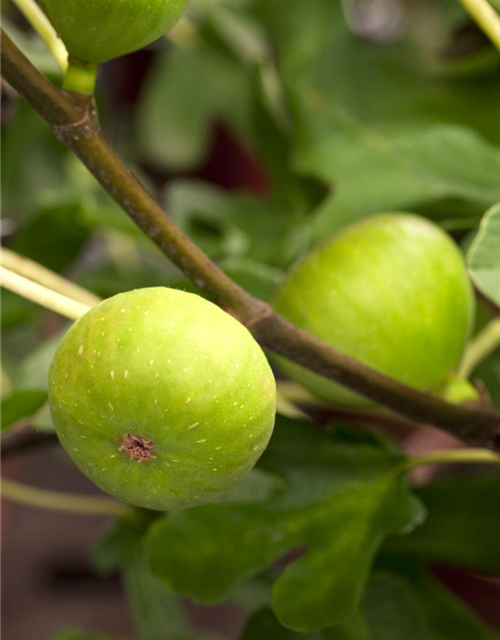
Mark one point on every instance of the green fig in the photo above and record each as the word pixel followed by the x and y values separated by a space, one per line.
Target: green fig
pixel 98 30
pixel 392 292
pixel 161 398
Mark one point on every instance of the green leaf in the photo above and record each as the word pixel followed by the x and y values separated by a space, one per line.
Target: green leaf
pixel 20 405
pixel 393 612
pixel 342 500
pixel 189 88
pixel 462 527
pixel 264 624
pixel 448 614
pixel 378 173
pixel 390 611
pixel 60 247
pixel 34 370
pixel 263 230
pixel 483 257
pixel 157 612
pixel 374 123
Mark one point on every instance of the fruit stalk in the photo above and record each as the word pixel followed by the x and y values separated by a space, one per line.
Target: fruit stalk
pixel 59 501
pixel 39 294
pixel 40 23
pixel 486 17
pixel 75 123
pixel 480 347
pixel 41 275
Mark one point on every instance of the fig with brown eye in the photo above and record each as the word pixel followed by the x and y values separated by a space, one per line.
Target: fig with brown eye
pixel 161 398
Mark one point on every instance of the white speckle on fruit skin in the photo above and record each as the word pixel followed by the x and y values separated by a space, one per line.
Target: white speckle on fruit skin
pixel 75 449
pixel 155 402
pixel 218 448
pixel 151 362
pixel 188 400
pixel 146 313
pixel 122 310
pixel 172 324
pixel 215 468
pixel 251 435
pixel 169 360
pixel 201 441
pixel 255 448
pixel 193 425
pixel 126 374
pixel 112 456
pixel 235 404
pixel 185 369
pixel 112 374
pixel 80 350
pixel 111 406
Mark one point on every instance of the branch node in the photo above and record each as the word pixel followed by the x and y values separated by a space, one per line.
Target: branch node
pixel 86 127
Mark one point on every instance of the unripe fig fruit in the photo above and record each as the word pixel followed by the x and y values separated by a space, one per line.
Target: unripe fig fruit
pixel 392 292
pixel 99 30
pixel 161 398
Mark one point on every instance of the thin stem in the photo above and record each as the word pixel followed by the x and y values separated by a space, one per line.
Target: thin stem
pixel 74 120
pixel 59 501
pixel 42 295
pixel 452 456
pixel 41 275
pixel 80 76
pixel 40 23
pixel 480 347
pixel 486 17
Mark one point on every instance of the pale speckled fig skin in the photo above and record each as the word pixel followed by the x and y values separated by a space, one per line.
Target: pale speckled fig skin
pixel 171 368
pixel 392 292
pixel 99 30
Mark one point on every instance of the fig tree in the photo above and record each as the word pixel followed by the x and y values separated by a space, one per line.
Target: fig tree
pixel 161 398
pixel 392 292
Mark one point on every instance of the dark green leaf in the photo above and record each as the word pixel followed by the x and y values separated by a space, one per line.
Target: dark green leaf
pixel 448 614
pixel 342 501
pixel 156 611
pixel 463 524
pixel 21 404
pixel 393 612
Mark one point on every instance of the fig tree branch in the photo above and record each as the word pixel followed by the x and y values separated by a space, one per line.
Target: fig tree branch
pixel 74 120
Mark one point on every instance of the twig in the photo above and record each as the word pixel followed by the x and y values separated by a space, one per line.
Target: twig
pixel 39 294
pixel 74 120
pixel 41 275
pixel 453 456
pixel 59 501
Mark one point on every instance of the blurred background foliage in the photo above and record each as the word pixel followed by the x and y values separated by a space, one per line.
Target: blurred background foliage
pixel 263 126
